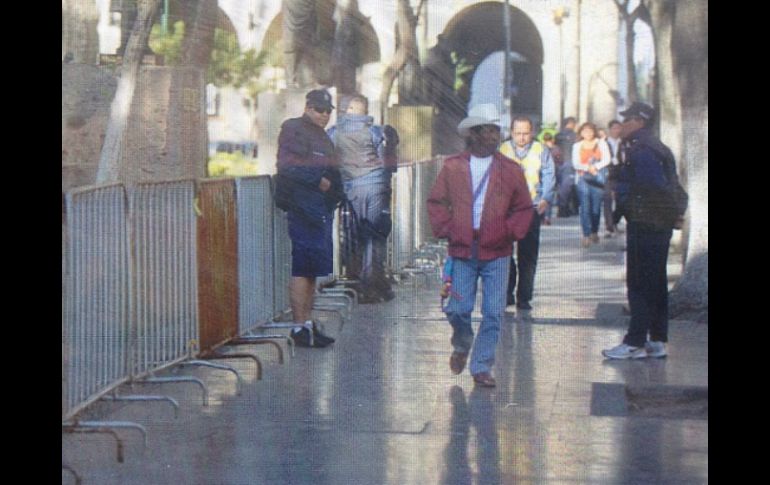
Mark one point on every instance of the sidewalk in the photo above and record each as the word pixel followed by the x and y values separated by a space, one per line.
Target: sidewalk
pixel 381 406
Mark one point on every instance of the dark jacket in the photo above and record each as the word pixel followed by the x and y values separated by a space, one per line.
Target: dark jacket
pixel 507 210
pixel 647 186
pixel 363 147
pixel 305 155
pixel 644 164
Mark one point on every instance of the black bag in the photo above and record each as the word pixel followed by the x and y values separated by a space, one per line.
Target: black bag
pixel 283 195
pixel 659 208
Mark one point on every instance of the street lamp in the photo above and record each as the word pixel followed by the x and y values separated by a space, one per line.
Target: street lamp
pixel 507 75
pixel 559 14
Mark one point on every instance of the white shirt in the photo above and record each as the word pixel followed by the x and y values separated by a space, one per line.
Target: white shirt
pixel 614 144
pixel 479 166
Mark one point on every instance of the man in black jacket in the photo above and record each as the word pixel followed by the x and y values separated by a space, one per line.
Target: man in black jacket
pixel 306 160
pixel 647 197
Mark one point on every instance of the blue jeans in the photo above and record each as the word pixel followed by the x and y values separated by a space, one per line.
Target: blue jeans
pixel 370 197
pixel 591 199
pixel 494 278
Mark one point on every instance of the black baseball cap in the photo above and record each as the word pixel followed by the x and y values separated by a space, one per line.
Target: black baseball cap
pixel 319 98
pixel 642 110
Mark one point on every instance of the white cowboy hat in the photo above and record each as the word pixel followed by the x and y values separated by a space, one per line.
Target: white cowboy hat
pixel 481 114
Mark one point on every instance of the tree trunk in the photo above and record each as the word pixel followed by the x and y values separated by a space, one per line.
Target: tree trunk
pixel 109 161
pixel 80 40
pixel 690 48
pixel 406 51
pixel 670 110
pixel 200 20
pixel 681 33
pixel 347 41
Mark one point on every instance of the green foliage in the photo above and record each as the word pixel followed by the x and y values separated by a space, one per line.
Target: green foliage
pixel 168 45
pixel 546 128
pixel 231 67
pixel 250 67
pixel 232 164
pixel 461 68
pixel 228 66
pixel 225 55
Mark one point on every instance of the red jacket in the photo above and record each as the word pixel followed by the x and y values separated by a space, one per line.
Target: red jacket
pixel 507 207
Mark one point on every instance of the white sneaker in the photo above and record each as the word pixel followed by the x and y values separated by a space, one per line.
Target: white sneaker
pixel 655 349
pixel 624 351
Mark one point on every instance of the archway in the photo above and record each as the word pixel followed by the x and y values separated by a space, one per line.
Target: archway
pixel 478 32
pixel 474 35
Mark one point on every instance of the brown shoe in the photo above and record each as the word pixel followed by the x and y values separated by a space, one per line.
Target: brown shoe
pixel 457 361
pixel 484 379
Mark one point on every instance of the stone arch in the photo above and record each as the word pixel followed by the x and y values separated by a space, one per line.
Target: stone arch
pixel 224 22
pixel 477 32
pixel 473 34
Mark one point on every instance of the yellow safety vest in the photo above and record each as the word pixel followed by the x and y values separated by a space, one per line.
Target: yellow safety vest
pixel 530 163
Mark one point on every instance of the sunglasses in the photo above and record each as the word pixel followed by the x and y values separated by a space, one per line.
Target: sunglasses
pixel 323 111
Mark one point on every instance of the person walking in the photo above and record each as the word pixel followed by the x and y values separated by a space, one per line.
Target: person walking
pixel 590 156
pixel 481 203
pixel 538 165
pixel 565 177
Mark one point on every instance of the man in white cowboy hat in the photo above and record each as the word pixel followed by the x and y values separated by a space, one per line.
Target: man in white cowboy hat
pixel 481 203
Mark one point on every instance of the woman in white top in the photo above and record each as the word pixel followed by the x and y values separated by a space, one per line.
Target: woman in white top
pixel 590 158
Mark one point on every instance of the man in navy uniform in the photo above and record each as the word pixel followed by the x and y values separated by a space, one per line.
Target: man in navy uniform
pixel 306 158
pixel 647 167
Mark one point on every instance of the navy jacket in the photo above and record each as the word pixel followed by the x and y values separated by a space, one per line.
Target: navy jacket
pixel 305 155
pixel 643 164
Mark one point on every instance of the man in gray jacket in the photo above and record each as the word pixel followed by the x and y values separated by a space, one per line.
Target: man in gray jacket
pixel 367 159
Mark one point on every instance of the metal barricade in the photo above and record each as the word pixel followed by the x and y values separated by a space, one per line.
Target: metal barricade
pixel 95 333
pixel 402 235
pixel 217 251
pixel 281 262
pixel 426 173
pixel 163 229
pixel 255 252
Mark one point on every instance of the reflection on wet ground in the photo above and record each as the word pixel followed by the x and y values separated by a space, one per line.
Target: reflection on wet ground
pixel 381 406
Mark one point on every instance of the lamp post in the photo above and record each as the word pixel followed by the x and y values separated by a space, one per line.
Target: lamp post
pixel 559 14
pixel 508 74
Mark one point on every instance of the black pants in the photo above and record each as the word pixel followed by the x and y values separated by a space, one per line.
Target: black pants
pixel 524 263
pixel 609 197
pixel 647 284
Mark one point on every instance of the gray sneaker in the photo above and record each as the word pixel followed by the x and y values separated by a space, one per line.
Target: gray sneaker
pixel 624 351
pixel 655 349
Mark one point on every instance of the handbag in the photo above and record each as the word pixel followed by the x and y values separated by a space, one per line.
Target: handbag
pixel 599 180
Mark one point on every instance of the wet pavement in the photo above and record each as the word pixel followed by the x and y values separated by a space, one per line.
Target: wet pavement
pixel 381 406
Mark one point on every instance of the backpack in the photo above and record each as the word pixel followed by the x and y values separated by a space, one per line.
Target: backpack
pixel 659 208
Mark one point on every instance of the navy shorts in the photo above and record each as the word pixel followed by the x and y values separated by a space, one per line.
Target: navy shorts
pixel 311 247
